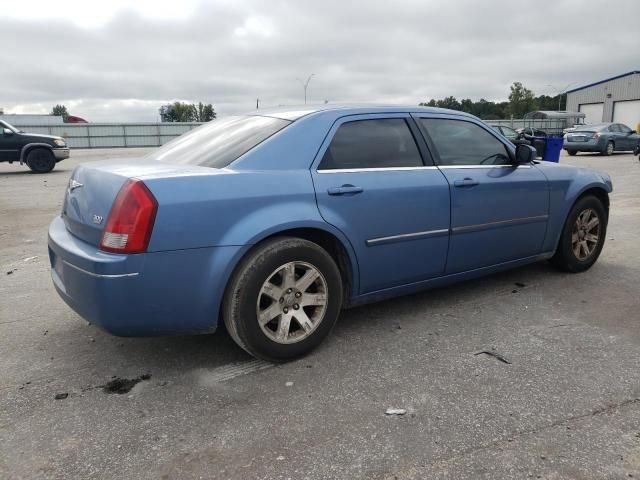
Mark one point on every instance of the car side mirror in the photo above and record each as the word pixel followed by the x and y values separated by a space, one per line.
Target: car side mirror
pixel 632 132
pixel 7 131
pixel 525 154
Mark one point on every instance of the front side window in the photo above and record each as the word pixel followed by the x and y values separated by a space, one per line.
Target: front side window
pixel 380 143
pixel 510 133
pixel 219 142
pixel 465 143
pixel 614 128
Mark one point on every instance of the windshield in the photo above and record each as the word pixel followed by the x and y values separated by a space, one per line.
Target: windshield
pixel 219 142
pixel 9 126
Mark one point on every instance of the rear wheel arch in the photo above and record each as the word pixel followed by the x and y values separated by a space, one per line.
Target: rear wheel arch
pixel 328 241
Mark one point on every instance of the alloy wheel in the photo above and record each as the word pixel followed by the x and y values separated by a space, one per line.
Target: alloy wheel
pixel 585 234
pixel 292 302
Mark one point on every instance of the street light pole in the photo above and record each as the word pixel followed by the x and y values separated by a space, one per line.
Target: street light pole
pixel 560 91
pixel 305 85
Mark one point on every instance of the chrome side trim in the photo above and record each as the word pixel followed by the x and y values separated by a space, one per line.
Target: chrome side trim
pixel 451 167
pixel 406 236
pixel 381 169
pixel 501 223
pixel 100 275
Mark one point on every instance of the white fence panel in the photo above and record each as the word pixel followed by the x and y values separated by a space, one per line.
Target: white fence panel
pixel 113 135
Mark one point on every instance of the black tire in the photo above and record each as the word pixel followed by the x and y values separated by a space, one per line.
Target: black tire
pixel 242 296
pixel 565 258
pixel 608 149
pixel 572 153
pixel 40 160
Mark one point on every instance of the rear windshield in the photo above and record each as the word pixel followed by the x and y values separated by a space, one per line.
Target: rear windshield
pixel 219 142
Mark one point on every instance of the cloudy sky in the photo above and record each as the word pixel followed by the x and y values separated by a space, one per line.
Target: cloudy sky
pixel 119 60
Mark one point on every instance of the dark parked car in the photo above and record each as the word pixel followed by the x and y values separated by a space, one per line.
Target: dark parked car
pixel 511 135
pixel 39 152
pixel 604 138
pixel 272 223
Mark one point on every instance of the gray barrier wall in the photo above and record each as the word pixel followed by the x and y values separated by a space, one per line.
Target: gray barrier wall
pixel 110 135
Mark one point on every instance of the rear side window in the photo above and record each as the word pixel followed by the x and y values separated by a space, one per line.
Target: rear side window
pixel 623 128
pixel 614 128
pixel 465 143
pixel 380 143
pixel 218 143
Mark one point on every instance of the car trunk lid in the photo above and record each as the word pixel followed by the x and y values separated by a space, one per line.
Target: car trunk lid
pixel 93 188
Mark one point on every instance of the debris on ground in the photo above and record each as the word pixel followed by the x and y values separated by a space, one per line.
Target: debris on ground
pixel 121 386
pixel 10 272
pixel 28 259
pixel 493 354
pixel 395 411
pixel 520 285
pixel 288 384
pixel 61 396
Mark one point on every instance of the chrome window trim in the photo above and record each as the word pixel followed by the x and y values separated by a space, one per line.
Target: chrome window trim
pixel 513 221
pixel 450 167
pixel 406 236
pixel 377 169
pixel 100 275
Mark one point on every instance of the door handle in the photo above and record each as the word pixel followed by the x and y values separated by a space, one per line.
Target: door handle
pixel 345 190
pixel 465 182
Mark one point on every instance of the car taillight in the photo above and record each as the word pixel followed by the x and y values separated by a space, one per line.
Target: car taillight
pixel 596 135
pixel 130 221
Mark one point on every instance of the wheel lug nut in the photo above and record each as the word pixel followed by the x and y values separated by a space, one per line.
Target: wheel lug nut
pixel 289 290
pixel 281 299
pixel 285 309
pixel 298 294
pixel 296 306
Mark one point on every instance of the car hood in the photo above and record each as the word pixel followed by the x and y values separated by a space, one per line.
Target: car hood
pixel 39 137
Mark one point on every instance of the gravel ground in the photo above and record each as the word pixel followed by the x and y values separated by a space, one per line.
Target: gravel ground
pixel 566 407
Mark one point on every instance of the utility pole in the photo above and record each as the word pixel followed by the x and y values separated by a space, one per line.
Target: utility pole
pixel 305 85
pixel 257 104
pixel 560 91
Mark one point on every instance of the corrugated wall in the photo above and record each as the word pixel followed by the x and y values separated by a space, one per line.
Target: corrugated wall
pixel 624 88
pixel 111 135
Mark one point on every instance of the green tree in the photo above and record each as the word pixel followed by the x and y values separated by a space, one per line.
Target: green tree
pixel 187 112
pixel 205 113
pixel 521 100
pixel 60 111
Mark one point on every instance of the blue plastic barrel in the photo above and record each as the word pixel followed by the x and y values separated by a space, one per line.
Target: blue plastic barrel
pixel 552 149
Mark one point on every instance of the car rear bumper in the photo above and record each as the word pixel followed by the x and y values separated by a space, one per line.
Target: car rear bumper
pixel 176 292
pixel 60 153
pixel 593 145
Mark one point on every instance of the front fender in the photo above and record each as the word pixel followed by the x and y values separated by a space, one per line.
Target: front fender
pixel 566 184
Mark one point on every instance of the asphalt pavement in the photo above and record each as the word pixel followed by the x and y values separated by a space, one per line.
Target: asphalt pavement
pixel 77 403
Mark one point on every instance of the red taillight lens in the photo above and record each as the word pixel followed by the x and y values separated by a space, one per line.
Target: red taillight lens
pixel 596 135
pixel 130 220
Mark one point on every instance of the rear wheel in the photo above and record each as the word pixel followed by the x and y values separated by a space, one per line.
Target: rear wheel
pixel 608 150
pixel 283 299
pixel 582 236
pixel 40 160
pixel 572 152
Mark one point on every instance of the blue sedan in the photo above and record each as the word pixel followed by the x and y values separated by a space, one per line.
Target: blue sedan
pixel 275 221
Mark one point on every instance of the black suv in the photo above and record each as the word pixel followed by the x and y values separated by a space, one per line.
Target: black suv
pixel 39 152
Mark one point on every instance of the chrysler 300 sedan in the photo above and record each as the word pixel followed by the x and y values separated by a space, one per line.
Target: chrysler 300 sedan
pixel 275 221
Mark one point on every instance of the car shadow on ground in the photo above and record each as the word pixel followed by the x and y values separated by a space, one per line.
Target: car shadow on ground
pixel 174 355
pixel 24 170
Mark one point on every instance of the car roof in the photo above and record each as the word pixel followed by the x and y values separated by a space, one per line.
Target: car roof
pixel 594 126
pixel 293 113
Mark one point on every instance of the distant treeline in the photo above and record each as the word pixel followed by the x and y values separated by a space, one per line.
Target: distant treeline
pixel 521 100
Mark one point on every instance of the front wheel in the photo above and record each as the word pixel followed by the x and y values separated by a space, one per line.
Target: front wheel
pixel 40 160
pixel 283 299
pixel 572 152
pixel 582 236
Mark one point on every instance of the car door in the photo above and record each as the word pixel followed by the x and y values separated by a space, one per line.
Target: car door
pixel 628 140
pixel 375 184
pixel 8 143
pixel 499 210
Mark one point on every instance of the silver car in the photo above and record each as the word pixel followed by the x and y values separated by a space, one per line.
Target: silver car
pixel 604 138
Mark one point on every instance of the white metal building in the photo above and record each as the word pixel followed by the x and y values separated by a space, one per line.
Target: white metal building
pixel 19 119
pixel 615 99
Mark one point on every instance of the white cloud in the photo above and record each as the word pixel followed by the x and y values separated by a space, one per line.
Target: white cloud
pixel 120 60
